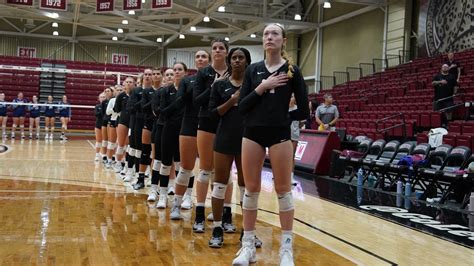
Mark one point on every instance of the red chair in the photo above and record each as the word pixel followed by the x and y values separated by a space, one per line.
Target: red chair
pixel 450 139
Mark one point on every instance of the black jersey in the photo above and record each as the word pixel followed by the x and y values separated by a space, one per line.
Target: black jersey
pixel 221 92
pixel 105 117
pixel 155 105
pixel 121 104
pixel 184 97
pixel 98 113
pixel 168 110
pixel 271 108
pixel 202 90
pixel 134 102
pixel 146 103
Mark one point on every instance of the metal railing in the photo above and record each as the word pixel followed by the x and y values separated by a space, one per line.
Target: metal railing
pixel 340 77
pixel 449 108
pixel 402 124
pixel 327 82
pixel 367 68
pixel 392 60
pixel 355 73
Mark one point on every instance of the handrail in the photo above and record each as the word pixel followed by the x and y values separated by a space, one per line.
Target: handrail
pixel 435 103
pixel 402 124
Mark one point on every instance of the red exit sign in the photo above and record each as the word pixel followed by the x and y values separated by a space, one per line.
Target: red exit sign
pixel 120 59
pixel 26 52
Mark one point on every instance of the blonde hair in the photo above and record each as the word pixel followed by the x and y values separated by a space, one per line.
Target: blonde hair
pixel 284 53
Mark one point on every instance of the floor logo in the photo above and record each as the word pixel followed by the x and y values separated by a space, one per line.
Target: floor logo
pixel 3 148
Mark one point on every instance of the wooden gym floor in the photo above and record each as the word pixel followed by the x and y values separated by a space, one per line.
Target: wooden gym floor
pixel 58 207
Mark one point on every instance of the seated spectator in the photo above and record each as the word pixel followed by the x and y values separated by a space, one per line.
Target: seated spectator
pixel 327 114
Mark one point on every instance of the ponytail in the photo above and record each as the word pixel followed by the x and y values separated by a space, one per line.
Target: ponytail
pixel 288 59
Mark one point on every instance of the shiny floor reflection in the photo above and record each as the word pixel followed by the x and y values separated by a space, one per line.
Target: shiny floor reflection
pixel 82 225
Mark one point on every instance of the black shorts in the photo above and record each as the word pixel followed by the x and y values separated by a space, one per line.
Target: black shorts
pixel 112 123
pixel 189 126
pixel 124 120
pixel 208 124
pixel 105 122
pixel 148 124
pixel 268 136
pixel 53 115
pixel 229 141
pixel 32 116
pixel 170 143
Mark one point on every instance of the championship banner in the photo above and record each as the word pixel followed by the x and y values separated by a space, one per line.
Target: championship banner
pixel 60 5
pixel 104 5
pixel 121 59
pixel 132 4
pixel 21 2
pixel 29 52
pixel 162 4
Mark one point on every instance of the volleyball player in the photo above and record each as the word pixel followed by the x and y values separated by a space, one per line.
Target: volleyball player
pixel 109 92
pixel 64 116
pixel 120 107
pixel 228 142
pixel 149 120
pixel 207 125
pixel 35 112
pixel 98 126
pixel 264 100
pixel 49 117
pixel 3 115
pixel 158 130
pixel 187 139
pixel 111 127
pixel 135 106
pixel 19 115
pixel 172 118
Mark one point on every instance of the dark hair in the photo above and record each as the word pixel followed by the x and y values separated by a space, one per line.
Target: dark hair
pixel 157 69
pixel 245 51
pixel 223 41
pixel 181 63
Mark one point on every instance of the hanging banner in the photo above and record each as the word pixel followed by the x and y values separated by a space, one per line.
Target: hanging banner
pixel 54 4
pixel 162 4
pixel 104 5
pixel 121 59
pixel 26 52
pixel 132 4
pixel 21 2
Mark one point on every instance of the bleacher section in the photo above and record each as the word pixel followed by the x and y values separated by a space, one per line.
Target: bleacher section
pixel 404 89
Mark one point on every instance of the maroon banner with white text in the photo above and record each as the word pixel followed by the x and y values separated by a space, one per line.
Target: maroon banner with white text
pixel 104 5
pixel 60 5
pixel 21 2
pixel 132 4
pixel 162 4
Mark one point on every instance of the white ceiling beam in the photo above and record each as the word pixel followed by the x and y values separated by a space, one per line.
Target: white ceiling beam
pixel 285 22
pixel 86 39
pixel 348 16
pixel 77 14
pixel 11 24
pixel 42 25
pixel 24 34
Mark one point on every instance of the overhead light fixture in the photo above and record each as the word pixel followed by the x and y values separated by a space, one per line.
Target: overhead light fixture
pixel 125 22
pixel 181 36
pixel 52 15
pixel 297 17
pixel 143 1
pixel 193 28
pixel 159 39
pixel 55 33
pixel 221 9
pixel 206 19
pixel 253 35
pixel 327 4
pixel 227 39
pixel 119 30
pixel 131 12
pixel 114 38
pixel 55 25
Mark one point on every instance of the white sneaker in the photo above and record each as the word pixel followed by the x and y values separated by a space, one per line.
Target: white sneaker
pixel 117 167
pixel 286 256
pixel 153 195
pixel 46 137
pixel 124 171
pixel 175 213
pixel 50 136
pixel 108 165
pixel 97 156
pixel 187 202
pixel 162 201
pixel 246 254
pixel 37 136
pixel 129 177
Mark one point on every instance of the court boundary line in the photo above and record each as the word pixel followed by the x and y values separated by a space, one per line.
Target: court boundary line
pixel 92 145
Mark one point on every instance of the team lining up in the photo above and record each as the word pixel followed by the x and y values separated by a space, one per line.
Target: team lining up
pixel 231 111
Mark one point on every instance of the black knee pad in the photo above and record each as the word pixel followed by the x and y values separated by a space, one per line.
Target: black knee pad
pixel 146 151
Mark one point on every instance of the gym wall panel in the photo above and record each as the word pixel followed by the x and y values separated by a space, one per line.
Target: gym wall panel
pixel 353 41
pixel 45 48
pixel 308 63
